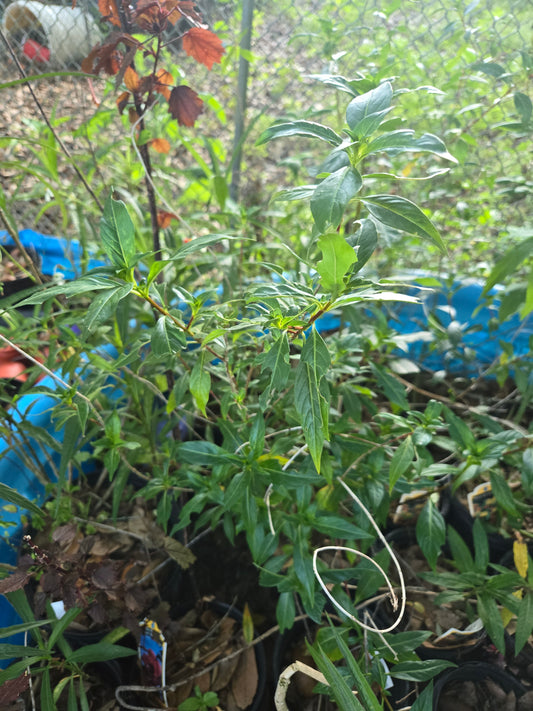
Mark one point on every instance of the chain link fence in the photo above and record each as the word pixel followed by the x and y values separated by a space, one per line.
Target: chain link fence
pixel 475 53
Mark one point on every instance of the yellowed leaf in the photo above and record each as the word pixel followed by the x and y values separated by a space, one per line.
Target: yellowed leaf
pixel 506 614
pixel 520 557
pixel 247 625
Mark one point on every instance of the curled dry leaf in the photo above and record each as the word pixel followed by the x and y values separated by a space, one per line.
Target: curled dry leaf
pixel 122 101
pixel 131 79
pixel 203 45
pixel 109 11
pixel 15 581
pixel 164 82
pixel 185 105
pixel 187 8
pixel 165 218
pixel 103 58
pixel 176 550
pixel 160 145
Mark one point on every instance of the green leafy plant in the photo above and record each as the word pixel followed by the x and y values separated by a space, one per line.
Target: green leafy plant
pixel 253 380
pixel 58 676
pixel 246 375
pixel 199 702
pixel 491 585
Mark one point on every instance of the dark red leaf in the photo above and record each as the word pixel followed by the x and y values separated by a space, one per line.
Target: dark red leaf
pixel 103 58
pixel 105 577
pixel 203 45
pixel 13 688
pixel 122 101
pixel 185 105
pixel 151 16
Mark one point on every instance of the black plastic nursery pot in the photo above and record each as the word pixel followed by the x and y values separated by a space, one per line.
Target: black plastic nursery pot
pixel 290 647
pixel 180 626
pixel 476 686
pixel 466 644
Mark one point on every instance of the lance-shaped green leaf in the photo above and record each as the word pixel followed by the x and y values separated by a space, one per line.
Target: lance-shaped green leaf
pixel 337 258
pixel 198 243
pixel 353 87
pixel 332 195
pixel 524 106
pixel 364 241
pixel 311 396
pixel 491 68
pixel 420 670
pixel 401 460
pixel 402 214
pixel 89 282
pixel 99 652
pixel 13 496
pixel 490 615
pixel 375 103
pixel 431 532
pixel 340 689
pixel 301 192
pixel 285 611
pixel 167 338
pixel 200 384
pixel 118 234
pixel 404 140
pixel 315 352
pixel 428 143
pixel 104 305
pixel 306 129
pixel 524 622
pixel 277 361
pixel 307 399
pixel 511 260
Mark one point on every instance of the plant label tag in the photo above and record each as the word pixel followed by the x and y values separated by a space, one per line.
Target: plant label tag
pixel 409 507
pixel 153 655
pixel 481 501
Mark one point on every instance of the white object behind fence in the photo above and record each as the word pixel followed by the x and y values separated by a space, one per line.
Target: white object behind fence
pixel 70 33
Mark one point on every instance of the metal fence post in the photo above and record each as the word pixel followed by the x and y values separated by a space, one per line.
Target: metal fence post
pixel 242 86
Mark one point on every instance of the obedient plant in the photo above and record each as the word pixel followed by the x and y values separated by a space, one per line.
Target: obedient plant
pixel 242 372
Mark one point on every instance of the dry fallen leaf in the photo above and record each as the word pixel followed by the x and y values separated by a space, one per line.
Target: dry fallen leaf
pixel 178 552
pixel 244 682
pixel 223 673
